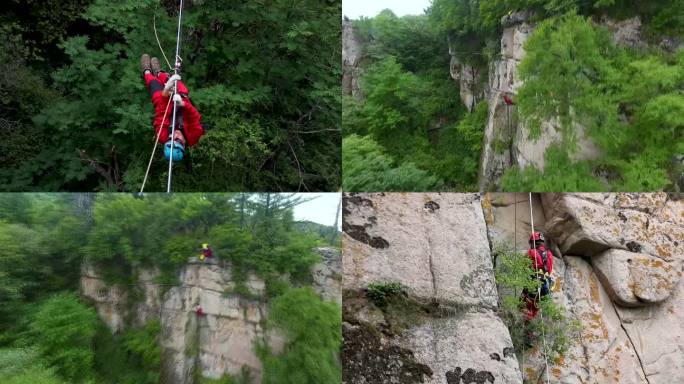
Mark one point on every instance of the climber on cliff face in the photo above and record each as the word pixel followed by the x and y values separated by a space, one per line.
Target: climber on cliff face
pixel 188 128
pixel 507 99
pixel 542 265
pixel 199 311
pixel 206 252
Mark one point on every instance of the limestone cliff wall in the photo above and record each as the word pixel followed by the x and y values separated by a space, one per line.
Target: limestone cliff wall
pixel 352 53
pixel 447 329
pixel 220 342
pixel 507 143
pixel 618 265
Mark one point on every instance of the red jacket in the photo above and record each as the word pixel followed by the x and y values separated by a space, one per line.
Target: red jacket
pixel 507 100
pixel 537 260
pixel 192 128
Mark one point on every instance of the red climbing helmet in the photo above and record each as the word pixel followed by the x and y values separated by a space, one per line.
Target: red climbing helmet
pixel 536 236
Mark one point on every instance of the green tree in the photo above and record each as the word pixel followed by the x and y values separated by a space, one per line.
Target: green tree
pixel 368 168
pixel 265 82
pixel 313 332
pixel 62 329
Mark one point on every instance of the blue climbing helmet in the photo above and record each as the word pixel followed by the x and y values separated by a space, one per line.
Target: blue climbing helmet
pixel 178 150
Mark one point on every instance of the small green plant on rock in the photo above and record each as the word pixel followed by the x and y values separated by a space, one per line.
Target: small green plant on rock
pixel 379 293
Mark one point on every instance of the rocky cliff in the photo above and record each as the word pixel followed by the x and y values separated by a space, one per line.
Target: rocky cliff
pixel 352 53
pixel 507 142
pixel 618 268
pixel 220 342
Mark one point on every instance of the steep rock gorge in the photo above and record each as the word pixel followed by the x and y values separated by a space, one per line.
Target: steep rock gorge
pixel 219 342
pixel 618 268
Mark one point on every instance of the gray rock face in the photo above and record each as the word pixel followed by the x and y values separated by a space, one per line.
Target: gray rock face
pixel 507 143
pixel 502 124
pixel 219 342
pixel 469 78
pixel 413 239
pixel 623 283
pixel 618 269
pixel 436 246
pixel 110 301
pixel 327 275
pixel 352 52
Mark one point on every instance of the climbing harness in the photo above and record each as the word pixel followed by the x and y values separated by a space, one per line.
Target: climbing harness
pixel 176 70
pixel 541 313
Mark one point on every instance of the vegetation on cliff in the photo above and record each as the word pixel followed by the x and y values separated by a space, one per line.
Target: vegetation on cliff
pixel 50 335
pixel 628 97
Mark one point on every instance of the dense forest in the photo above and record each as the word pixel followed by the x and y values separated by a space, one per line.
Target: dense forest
pixel 75 114
pixel 50 334
pixel 409 130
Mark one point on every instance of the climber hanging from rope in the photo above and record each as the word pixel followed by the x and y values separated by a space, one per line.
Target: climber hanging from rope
pixel 161 86
pixel 507 99
pixel 542 265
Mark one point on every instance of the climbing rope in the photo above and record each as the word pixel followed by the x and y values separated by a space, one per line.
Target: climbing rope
pixel 541 313
pixel 154 148
pixel 154 25
pixel 176 68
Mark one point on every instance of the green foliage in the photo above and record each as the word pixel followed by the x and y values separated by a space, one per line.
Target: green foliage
pixel 560 174
pixel 368 168
pixel 407 132
pixel 631 105
pixel 579 75
pixel 266 82
pixel 514 274
pixel 39 255
pixel 144 345
pixel 243 378
pixel 129 358
pixel 46 238
pixel 62 330
pixel 313 331
pixel 378 293
pixel 23 366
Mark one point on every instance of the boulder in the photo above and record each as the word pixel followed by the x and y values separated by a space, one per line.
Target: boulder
pixel 434 244
pixel 636 279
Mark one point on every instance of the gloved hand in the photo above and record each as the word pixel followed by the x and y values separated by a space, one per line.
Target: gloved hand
pixel 169 83
pixel 178 100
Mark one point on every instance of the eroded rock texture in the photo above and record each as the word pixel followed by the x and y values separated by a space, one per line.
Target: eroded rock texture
pixel 507 143
pixel 352 53
pixel 618 269
pixel 443 328
pixel 620 276
pixel 217 343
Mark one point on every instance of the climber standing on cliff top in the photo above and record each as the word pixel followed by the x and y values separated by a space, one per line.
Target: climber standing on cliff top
pixel 160 86
pixel 542 264
pixel 206 252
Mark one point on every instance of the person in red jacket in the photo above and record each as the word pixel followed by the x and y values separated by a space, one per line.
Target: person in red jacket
pixel 507 99
pixel 188 127
pixel 542 264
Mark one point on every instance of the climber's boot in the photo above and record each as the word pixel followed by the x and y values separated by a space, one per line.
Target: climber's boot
pixel 156 66
pixel 145 63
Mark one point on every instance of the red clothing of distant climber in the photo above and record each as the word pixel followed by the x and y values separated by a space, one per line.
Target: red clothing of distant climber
pixel 192 129
pixel 199 311
pixel 538 261
pixel 507 100
pixel 531 300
